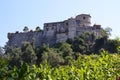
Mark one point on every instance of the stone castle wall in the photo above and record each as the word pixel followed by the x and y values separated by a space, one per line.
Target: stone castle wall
pixel 57 31
pixel 16 39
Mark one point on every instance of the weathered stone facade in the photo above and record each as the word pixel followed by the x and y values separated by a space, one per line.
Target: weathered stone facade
pixel 56 31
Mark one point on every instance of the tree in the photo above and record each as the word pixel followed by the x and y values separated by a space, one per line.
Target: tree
pixel 26 29
pixel 99 43
pixel 13 55
pixel 38 28
pixel 16 57
pixel 52 57
pixel 83 43
pixel 66 49
pixel 69 41
pixel 28 55
pixel 77 44
pixel 1 51
pixel 67 52
pixel 112 45
pixel 39 51
pixel 103 33
pixel 108 31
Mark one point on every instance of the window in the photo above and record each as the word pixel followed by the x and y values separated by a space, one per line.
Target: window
pixel 77 22
pixel 47 29
pixel 67 24
pixel 83 17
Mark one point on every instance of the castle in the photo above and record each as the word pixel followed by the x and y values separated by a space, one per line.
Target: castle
pixel 56 32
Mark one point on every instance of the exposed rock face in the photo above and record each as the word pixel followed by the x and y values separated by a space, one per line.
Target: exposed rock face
pixel 56 32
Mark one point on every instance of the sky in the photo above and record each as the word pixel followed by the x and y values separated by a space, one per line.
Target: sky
pixel 15 14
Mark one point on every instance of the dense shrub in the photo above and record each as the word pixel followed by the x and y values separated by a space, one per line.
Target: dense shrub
pixel 87 67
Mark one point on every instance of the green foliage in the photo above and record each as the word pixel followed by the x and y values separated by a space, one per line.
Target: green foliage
pixel 111 45
pixel 93 67
pixel 104 33
pixel 60 53
pixel 108 44
pixel 77 45
pixel 39 52
pixel 26 29
pixel 83 43
pixel 3 69
pixel 1 52
pixel 38 28
pixel 118 49
pixel 99 43
pixel 14 57
pixel 66 49
pixel 28 54
pixel 52 57
pixel 108 31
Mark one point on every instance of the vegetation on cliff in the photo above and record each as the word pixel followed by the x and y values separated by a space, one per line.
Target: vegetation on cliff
pixel 81 58
pixel 86 67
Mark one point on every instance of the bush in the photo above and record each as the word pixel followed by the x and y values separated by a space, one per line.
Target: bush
pixel 87 67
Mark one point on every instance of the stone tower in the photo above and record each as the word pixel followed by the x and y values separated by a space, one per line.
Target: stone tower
pixel 83 20
pixel 72 28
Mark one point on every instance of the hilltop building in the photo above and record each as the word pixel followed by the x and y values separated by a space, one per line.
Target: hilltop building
pixel 56 31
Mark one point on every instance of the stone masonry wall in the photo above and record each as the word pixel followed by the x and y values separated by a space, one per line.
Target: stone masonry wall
pixel 16 39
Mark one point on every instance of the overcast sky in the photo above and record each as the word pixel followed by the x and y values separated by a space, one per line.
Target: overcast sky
pixel 15 14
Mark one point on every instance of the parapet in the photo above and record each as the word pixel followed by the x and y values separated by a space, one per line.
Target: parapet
pixel 97 26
